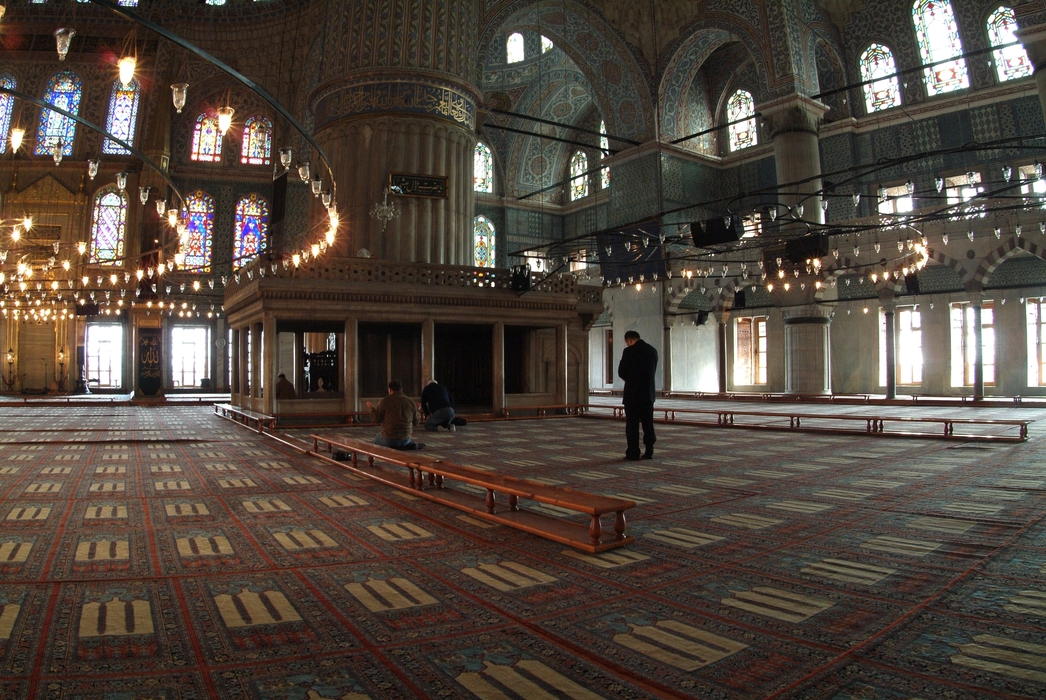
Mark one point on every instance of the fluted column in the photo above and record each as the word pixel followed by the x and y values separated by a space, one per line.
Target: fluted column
pixel 398 96
pixel 807 361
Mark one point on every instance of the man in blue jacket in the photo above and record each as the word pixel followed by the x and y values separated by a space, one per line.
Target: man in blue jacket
pixel 638 362
pixel 437 406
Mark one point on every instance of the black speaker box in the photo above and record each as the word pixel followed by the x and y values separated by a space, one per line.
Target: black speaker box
pixel 814 245
pixel 715 231
pixel 739 300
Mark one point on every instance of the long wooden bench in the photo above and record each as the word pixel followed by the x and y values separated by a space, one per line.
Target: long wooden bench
pixel 246 417
pixel 427 477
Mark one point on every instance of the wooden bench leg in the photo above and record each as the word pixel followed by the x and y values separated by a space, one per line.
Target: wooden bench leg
pixel 439 481
pixel 595 530
pixel 491 500
pixel 432 480
pixel 412 482
pixel 355 459
pixel 619 524
pixel 513 502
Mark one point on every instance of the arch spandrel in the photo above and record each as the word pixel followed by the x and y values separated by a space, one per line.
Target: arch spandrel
pixel 621 86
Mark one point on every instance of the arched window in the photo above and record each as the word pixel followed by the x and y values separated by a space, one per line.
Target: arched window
pixel 877 63
pixel 108 227
pixel 604 147
pixel 123 117
pixel 252 226
pixel 514 52
pixel 197 243
pixel 482 169
pixel 546 44
pixel 740 108
pixel 938 37
pixel 1011 62
pixel 7 108
pixel 579 180
pixel 483 242
pixel 207 139
pixel 64 91
pixel 257 142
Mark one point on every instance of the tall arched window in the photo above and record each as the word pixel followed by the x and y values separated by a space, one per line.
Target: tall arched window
pixel 938 36
pixel 604 147
pixel 252 226
pixel 482 169
pixel 64 91
pixel 257 142
pixel 514 52
pixel 579 180
pixel 740 108
pixel 877 63
pixel 483 242
pixel 207 139
pixel 7 108
pixel 197 243
pixel 123 117
pixel 1011 62
pixel 108 226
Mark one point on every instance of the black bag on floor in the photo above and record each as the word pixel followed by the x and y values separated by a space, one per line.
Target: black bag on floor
pixel 458 420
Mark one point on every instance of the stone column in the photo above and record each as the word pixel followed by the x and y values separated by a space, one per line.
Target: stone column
pixel 234 370
pixel 891 352
pixel 350 369
pixel 793 122
pixel 256 369
pixel 498 366
pixel 428 351
pixel 807 360
pixel 245 387
pixel 978 350
pixel 666 357
pixel 269 364
pixel 722 368
pixel 220 377
pixel 562 390
pixel 397 94
pixel 299 364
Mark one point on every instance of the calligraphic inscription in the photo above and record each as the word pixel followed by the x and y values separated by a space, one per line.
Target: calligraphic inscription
pixel 418 185
pixel 416 98
pixel 150 360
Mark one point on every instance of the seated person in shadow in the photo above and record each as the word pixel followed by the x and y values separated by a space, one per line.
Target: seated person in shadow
pixel 284 389
pixel 398 415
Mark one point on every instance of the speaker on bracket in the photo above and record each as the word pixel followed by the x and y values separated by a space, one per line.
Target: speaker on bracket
pixel 717 230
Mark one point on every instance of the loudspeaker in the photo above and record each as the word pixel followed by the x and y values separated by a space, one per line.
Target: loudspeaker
pixel 702 318
pixel 799 250
pixel 739 300
pixel 87 310
pixel 716 231
pixel 911 282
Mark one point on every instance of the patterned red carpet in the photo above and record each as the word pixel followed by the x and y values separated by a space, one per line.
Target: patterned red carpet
pixel 165 553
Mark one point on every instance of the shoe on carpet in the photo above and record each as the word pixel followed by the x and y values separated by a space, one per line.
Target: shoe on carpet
pixel 452 428
pixel 648 455
pixel 632 458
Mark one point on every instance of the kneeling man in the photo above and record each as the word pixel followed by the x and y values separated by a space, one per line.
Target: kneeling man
pixel 398 415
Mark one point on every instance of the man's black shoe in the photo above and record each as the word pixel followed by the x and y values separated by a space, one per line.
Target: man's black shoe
pixel 632 458
pixel 648 455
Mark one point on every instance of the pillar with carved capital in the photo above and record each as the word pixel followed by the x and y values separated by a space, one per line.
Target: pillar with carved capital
pixel 397 96
pixel 807 359
pixel 793 122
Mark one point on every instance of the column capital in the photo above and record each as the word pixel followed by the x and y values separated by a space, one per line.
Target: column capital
pixel 807 313
pixel 792 114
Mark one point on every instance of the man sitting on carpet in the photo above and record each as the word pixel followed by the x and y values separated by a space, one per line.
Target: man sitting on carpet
pixel 437 405
pixel 398 415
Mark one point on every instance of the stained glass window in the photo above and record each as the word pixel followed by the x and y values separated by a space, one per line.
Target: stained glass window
pixel 938 37
pixel 64 91
pixel 197 243
pixel 877 63
pixel 7 107
pixel 579 180
pixel 483 240
pixel 252 225
pixel 739 107
pixel 257 142
pixel 482 169
pixel 514 48
pixel 207 139
pixel 1011 62
pixel 604 147
pixel 546 44
pixel 123 117
pixel 109 226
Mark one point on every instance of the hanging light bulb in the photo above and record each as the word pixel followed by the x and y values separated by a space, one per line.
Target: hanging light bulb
pixel 938 182
pixel 882 194
pixel 325 197
pixel 56 152
pixel 1038 170
pixel 857 198
pixel 1007 173
pixel 286 156
pixel 17 136
pixel 877 247
pixel 316 186
pixel 92 168
pixel 998 232
pixel 225 119
pixel 799 210
pixel 63 37
pixel 126 65
pixel 824 205
pixel 900 246
pixel 143 195
pixel 944 239
pixel 303 171
pixel 178 95
pixel 330 237
pixel 970 234
pixel 172 217
pixel 121 181
pixel 161 206
pixel 3 11
pixel 81 248
pixel 1017 230
pixel 139 273
pixel 909 187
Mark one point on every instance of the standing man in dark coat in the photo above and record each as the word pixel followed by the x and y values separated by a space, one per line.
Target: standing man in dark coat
pixel 638 362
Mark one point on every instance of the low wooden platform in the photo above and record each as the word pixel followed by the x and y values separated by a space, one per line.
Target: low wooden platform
pixel 427 477
pixel 246 417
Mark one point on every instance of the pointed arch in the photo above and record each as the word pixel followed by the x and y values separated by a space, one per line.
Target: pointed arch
pixel 740 108
pixel 122 119
pixel 515 48
pixel 207 139
pixel 482 168
pixel 108 226
pixel 937 34
pixel 64 90
pixel 196 244
pixel 604 147
pixel 1011 62
pixel 878 65
pixel 483 240
pixel 251 229
pixel 257 141
pixel 7 107
pixel 579 180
